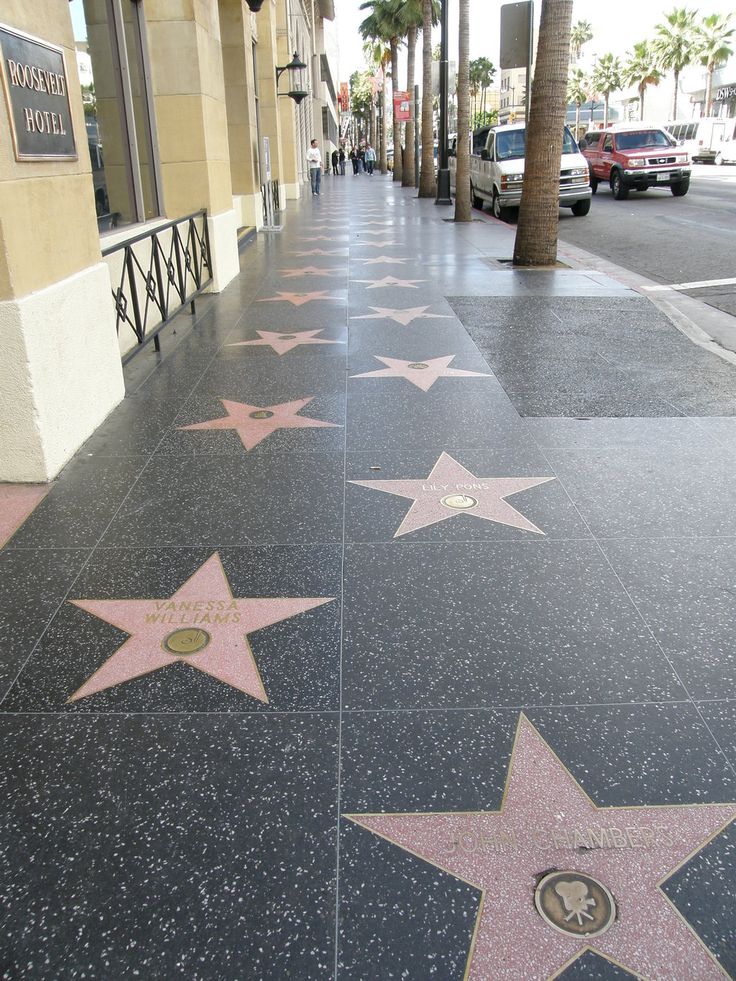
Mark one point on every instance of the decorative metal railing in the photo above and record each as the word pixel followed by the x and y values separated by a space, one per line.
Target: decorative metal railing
pixel 158 274
pixel 270 190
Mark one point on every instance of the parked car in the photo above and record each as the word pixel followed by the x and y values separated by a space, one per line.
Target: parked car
pixel 636 158
pixel 497 170
pixel 702 138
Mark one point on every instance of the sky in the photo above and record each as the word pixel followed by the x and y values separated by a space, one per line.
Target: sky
pixel 616 26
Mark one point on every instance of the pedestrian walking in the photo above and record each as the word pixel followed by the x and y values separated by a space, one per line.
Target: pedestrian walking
pixel 370 159
pixel 354 160
pixel 314 160
pixel 361 159
pixel 341 157
pixel 335 158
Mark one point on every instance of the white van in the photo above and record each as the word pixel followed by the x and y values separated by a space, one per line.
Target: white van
pixel 704 139
pixel 497 170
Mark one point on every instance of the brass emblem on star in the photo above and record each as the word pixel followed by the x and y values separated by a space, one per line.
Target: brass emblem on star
pixel 459 502
pixel 260 414
pixel 575 904
pixel 286 337
pixel 186 640
pixel 418 366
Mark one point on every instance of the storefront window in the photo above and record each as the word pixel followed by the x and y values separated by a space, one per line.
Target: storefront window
pixel 112 62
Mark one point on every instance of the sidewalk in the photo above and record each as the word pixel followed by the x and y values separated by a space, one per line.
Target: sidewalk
pixel 385 631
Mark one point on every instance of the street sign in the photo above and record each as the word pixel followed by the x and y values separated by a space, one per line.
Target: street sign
pixel 516 34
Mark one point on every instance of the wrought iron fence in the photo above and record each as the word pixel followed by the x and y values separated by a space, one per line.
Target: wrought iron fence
pixel 158 274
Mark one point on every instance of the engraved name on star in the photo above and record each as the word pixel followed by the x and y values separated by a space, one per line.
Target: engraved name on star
pixel 202 624
pixel 254 423
pixel 547 822
pixel 423 374
pixel 384 260
pixel 451 490
pixel 286 340
pixel 298 299
pixel 405 317
pixel 325 238
pixel 379 245
pixel 311 271
pixel 376 284
pixel 321 252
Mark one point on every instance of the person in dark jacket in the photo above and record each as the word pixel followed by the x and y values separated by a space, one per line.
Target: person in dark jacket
pixel 353 155
pixel 341 157
pixel 334 161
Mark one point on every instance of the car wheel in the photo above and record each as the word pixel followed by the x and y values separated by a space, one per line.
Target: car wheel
pixel 593 182
pixel 680 189
pixel 498 210
pixel 719 160
pixel 581 208
pixel 618 188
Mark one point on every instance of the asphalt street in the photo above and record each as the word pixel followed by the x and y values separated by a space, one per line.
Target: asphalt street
pixel 669 240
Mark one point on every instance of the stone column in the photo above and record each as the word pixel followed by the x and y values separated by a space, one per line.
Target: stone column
pixel 60 372
pixel 189 96
pixel 269 102
pixel 238 30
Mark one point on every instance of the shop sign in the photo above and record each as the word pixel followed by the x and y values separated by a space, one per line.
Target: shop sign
pixel 36 93
pixel 402 106
pixel 725 92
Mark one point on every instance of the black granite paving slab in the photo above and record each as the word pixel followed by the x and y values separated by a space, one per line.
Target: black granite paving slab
pixel 494 625
pixel 129 848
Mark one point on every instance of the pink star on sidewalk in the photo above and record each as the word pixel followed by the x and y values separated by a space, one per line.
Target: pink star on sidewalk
pixel 325 238
pixel 404 317
pixel 379 245
pixel 311 271
pixel 253 423
pixel 202 625
pixel 363 232
pixel 423 374
pixel 283 341
pixel 390 281
pixel 321 252
pixel 547 822
pixel 17 502
pixel 298 299
pixel 451 490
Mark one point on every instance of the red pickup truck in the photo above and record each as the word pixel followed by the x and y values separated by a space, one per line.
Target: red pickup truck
pixel 636 159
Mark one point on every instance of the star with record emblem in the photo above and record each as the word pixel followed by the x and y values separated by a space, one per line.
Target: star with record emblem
pixel 404 317
pixel 298 299
pixel 321 252
pixel 202 624
pixel 423 374
pixel 253 423
pixel 377 284
pixel 559 876
pixel 311 271
pixel 451 490
pixel 283 341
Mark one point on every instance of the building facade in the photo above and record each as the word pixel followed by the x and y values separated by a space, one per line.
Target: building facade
pixel 122 117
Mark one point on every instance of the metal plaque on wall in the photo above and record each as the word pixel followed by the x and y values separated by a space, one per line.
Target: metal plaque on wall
pixel 36 93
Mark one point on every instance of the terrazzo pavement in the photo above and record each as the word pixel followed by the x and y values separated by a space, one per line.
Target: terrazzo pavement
pixel 558 659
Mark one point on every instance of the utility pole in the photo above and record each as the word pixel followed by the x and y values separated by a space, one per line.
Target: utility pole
pixel 443 168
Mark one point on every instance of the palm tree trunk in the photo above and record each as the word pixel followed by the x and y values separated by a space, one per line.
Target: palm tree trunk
pixel 374 117
pixel 674 98
pixel 577 119
pixel 427 188
pixel 641 105
pixel 397 124
pixel 709 90
pixel 407 173
pixel 605 110
pixel 536 233
pixel 463 211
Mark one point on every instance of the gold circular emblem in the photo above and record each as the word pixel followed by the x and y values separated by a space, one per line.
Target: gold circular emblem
pixel 575 904
pixel 419 365
pixel 186 640
pixel 260 414
pixel 287 337
pixel 459 502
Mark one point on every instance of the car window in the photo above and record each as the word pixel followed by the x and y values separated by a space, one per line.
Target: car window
pixel 692 131
pixel 608 144
pixel 511 144
pixel 642 140
pixel 593 139
pixel 490 144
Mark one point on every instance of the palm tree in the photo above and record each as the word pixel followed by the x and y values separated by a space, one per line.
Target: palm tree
pixel 482 71
pixel 674 45
pixel 383 23
pixel 580 34
pixel 426 176
pixel 463 210
pixel 641 70
pixel 713 36
pixel 410 17
pixel 536 233
pixel 380 56
pixel 474 75
pixel 606 79
pixel 577 92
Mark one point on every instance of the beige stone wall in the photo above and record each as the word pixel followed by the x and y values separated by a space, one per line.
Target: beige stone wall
pixel 237 30
pixel 45 203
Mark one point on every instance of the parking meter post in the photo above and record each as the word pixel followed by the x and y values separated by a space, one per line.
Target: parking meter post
pixel 443 169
